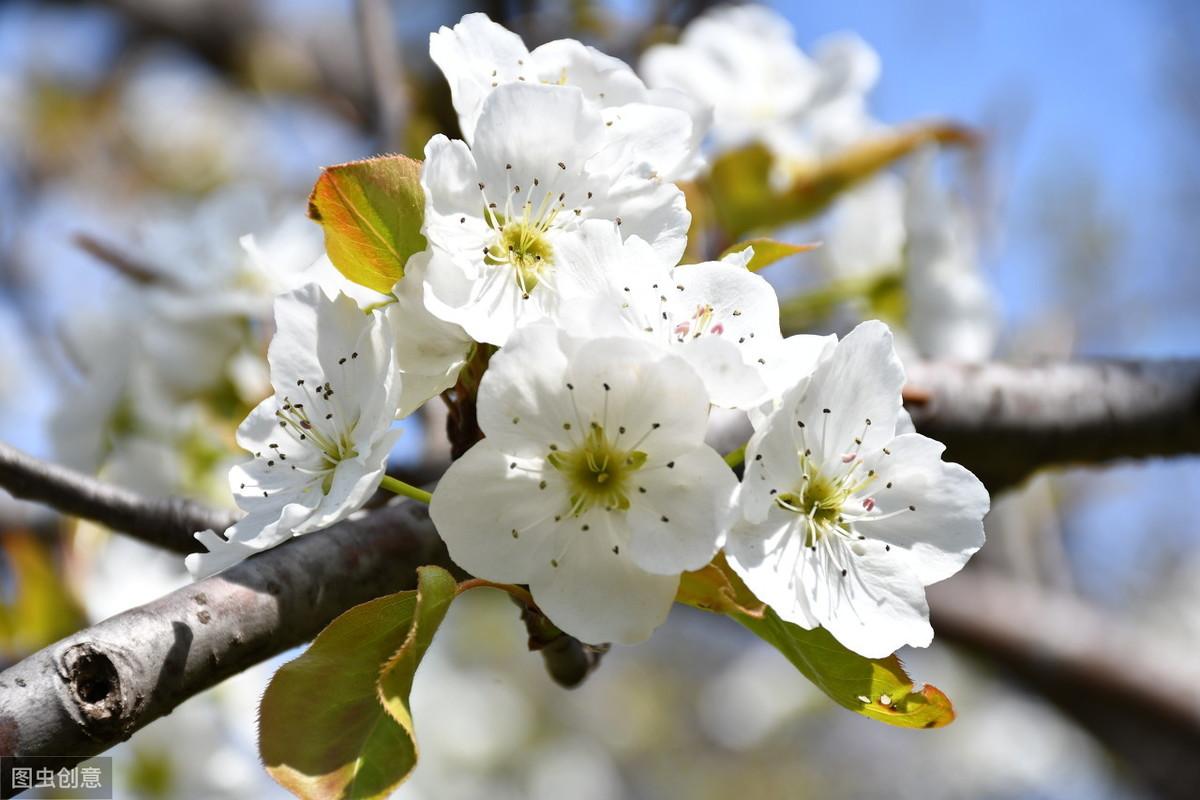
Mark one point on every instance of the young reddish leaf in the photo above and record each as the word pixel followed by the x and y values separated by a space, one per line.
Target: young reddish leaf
pixel 371 212
pixel 768 251
pixel 328 723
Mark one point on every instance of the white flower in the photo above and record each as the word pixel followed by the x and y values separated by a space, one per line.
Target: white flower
pixel 321 442
pixel 743 60
pixel 593 485
pixel 864 233
pixel 718 316
pixel 662 127
pixel 951 309
pixel 429 352
pixel 501 211
pixel 844 522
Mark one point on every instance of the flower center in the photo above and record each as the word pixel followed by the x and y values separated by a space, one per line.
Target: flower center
pixel 822 499
pixel 522 244
pixel 597 472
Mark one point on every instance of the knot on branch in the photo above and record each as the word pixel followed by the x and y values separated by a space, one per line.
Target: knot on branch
pixel 94 688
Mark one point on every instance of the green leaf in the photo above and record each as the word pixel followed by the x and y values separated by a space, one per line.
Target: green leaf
pixel 882 292
pixel 740 186
pixel 878 688
pixel 335 722
pixel 768 251
pixel 372 212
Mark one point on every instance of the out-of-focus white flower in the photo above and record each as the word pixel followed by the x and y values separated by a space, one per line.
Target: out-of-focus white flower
pixel 743 60
pixel 321 442
pixel 429 351
pixel 502 210
pixel 660 127
pixel 593 484
pixel 952 310
pixel 843 523
pixel 864 232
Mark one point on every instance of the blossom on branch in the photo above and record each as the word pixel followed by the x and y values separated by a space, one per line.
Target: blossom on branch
pixel 661 127
pixel 501 211
pixel 321 442
pixel 594 485
pixel 843 523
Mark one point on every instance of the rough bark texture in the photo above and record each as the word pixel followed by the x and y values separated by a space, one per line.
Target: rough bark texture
pixel 167 523
pixel 1005 422
pixel 93 689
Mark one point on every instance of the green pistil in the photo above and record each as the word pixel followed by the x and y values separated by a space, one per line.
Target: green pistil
pixel 523 245
pixel 597 472
pixel 818 499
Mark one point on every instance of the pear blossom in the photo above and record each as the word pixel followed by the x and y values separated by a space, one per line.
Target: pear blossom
pixel 429 352
pixel 321 442
pixel 593 484
pixel 952 310
pixel 743 60
pixel 865 233
pixel 502 210
pixel 843 522
pixel 662 127
pixel 718 316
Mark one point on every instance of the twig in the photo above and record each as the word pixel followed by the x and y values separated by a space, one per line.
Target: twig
pixel 1134 691
pixel 167 523
pixel 1005 422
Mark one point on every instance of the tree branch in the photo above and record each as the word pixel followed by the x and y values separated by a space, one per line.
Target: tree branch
pixel 97 687
pixel 1005 422
pixel 1132 689
pixel 167 523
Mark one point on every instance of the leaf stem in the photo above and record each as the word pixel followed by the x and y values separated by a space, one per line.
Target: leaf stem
pixel 405 490
pixel 516 591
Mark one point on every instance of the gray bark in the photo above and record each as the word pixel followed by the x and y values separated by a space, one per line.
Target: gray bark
pixel 167 523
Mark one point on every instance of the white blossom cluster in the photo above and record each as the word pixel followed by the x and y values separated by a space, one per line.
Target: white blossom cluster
pixel 555 233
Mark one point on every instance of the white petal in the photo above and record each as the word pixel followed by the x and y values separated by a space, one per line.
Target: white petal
pixel 481 500
pixel 766 555
pixel 526 131
pixel 658 136
pixel 597 595
pixel 654 395
pixel 429 351
pixel 251 534
pixel 453 201
pixel 523 400
pixel 603 79
pixel 473 55
pixel 677 523
pixel 650 209
pixel 861 381
pixel 946 528
pixel 877 607
pixel 730 381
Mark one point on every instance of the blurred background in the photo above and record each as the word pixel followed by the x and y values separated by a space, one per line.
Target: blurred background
pixel 142 141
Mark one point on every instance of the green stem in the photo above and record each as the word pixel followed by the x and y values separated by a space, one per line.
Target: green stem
pixel 736 457
pixel 405 490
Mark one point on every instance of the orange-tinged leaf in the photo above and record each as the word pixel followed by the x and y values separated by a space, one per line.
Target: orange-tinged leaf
pixel 371 212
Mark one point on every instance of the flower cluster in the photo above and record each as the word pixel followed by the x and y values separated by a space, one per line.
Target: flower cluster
pixel 554 239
